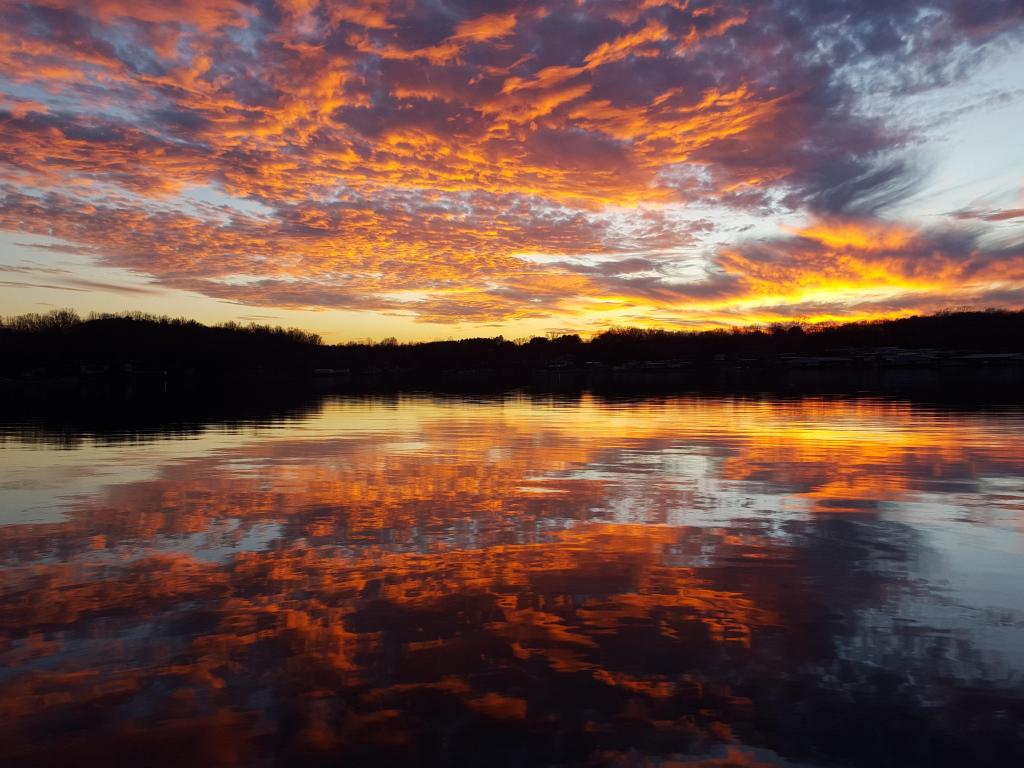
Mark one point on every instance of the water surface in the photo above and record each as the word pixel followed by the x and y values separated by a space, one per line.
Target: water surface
pixel 519 581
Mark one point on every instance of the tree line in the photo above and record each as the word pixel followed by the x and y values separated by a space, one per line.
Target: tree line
pixel 61 343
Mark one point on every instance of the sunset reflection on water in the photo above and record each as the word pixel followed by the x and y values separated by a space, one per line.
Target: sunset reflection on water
pixel 519 581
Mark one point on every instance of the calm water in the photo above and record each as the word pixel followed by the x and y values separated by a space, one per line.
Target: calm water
pixel 519 581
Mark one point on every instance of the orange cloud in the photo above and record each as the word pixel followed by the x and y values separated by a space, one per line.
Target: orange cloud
pixel 206 15
pixel 867 236
pixel 395 153
pixel 489 27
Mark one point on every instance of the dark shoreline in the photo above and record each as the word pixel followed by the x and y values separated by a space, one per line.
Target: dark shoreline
pixel 133 405
pixel 137 373
pixel 57 349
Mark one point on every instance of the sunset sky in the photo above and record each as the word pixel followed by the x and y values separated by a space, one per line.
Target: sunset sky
pixel 429 169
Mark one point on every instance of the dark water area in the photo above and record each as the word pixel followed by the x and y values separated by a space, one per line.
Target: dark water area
pixel 617 576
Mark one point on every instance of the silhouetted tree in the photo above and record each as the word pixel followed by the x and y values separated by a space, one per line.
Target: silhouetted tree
pixel 61 343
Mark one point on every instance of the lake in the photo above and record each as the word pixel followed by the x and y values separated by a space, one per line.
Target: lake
pixel 516 581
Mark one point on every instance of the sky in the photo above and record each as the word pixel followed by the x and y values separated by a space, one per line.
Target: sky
pixel 427 169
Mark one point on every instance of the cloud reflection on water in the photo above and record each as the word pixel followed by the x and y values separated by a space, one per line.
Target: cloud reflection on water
pixel 520 582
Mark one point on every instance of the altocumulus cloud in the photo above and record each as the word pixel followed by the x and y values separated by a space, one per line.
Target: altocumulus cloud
pixel 482 161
